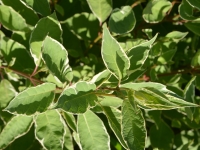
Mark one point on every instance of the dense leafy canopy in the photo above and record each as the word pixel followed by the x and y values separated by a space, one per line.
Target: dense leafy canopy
pixel 99 74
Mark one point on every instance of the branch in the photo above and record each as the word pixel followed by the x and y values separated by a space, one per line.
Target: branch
pixel 33 80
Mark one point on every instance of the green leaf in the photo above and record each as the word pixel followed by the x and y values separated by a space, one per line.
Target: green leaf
pixel 156 10
pixel 17 53
pixel 56 58
pixel 32 100
pixel 99 78
pixel 133 124
pixel 68 143
pixel 176 36
pixel 114 119
pixel 92 132
pixel 138 54
pixel 138 86
pixel 113 56
pixel 189 95
pixel 166 57
pixel 161 135
pixel 46 26
pixel 150 98
pixel 70 121
pixel 194 3
pixel 26 12
pixel 189 91
pixel 77 98
pixel 194 26
pixel 84 25
pixel 111 101
pixel 22 38
pixel 50 130
pixel 122 20
pixel 11 20
pixel 7 92
pixel 196 59
pixel 77 139
pixel 100 8
pixel 186 10
pixel 15 128
pixel 40 6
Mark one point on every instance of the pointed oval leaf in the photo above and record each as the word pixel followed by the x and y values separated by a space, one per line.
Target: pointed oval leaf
pixel 194 3
pixel 115 59
pixel 151 98
pixel 138 86
pixel 196 59
pixel 189 91
pixel 46 26
pixel 26 12
pixel 14 50
pixel 194 26
pixel 186 11
pixel 156 10
pixel 40 6
pixel 15 128
pixel 32 100
pixel 84 25
pixel 7 92
pixel 138 54
pixel 122 20
pixel 114 119
pixel 133 125
pixel 68 142
pixel 100 8
pixel 50 130
pixel 99 78
pixel 11 20
pixel 56 58
pixel 92 132
pixel 70 119
pixel 77 98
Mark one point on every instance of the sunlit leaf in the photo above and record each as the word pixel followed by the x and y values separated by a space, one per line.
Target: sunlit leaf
pixel 46 26
pixel 113 56
pixel 26 12
pixel 7 92
pixel 70 119
pixel 99 78
pixel 84 25
pixel 14 51
pixel 100 8
pixel 92 132
pixel 76 99
pixel 122 20
pixel 68 142
pixel 114 119
pixel 156 10
pixel 16 127
pixel 50 130
pixel 32 100
pixel 138 54
pixel 11 20
pixel 56 58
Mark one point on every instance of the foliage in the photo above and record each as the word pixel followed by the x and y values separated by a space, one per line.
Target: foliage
pixel 99 74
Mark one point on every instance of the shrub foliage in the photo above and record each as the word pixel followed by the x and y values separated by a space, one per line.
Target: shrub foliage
pixel 99 74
